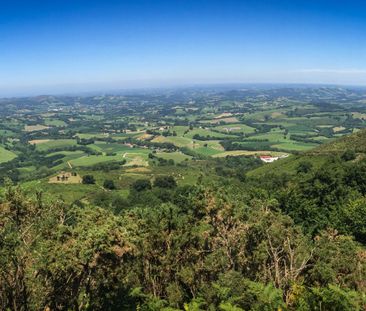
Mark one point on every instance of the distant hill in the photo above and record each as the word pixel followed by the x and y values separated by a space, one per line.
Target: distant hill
pixel 355 142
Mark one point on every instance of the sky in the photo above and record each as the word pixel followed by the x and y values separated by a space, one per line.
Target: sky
pixel 60 46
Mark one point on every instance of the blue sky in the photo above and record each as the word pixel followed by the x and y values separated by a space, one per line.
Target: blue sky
pixel 72 45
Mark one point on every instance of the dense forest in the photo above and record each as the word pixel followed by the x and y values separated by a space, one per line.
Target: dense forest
pixel 273 241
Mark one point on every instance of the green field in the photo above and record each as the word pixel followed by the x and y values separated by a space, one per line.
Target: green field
pixel 115 148
pixel 6 155
pixel 68 156
pixel 206 151
pixel 176 156
pixel 91 135
pixel 56 143
pixel 206 132
pixel 277 139
pixel 6 133
pixel 87 160
pixel 175 140
pixel 54 122
pixel 235 128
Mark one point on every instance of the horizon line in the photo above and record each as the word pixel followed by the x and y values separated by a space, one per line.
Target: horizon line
pixel 112 91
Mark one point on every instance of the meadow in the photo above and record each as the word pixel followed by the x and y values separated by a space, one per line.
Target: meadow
pixel 6 155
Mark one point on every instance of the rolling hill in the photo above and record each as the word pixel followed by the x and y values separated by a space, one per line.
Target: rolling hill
pixel 355 142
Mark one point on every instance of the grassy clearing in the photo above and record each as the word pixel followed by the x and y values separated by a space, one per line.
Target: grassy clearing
pixel 359 115
pixel 67 192
pixel 136 159
pixel 276 139
pixel 235 128
pixel 213 144
pixel 56 143
pixel 179 129
pixel 176 156
pixel 207 151
pixel 68 157
pixel 247 153
pixel 144 137
pixel 38 141
pixel 224 120
pixel 91 135
pixel 288 165
pixel 176 140
pixel 122 136
pixel 206 132
pixel 94 159
pixel 116 148
pixel 6 155
pixel 55 122
pixel 338 129
pixel 34 128
pixel 295 146
pixel 6 133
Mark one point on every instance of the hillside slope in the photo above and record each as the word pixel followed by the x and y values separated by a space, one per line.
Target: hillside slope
pixel 355 142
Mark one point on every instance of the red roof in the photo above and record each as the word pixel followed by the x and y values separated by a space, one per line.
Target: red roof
pixel 265 157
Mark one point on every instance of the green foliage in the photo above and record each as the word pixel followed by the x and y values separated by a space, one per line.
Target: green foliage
pixel 206 248
pixel 141 185
pixel 165 182
pixel 229 307
pixel 304 167
pixel 109 184
pixel 334 298
pixel 88 179
pixel 329 196
pixel 348 155
pixel 277 242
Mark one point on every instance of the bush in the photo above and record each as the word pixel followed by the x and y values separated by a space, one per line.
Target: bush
pixel 88 180
pixel 109 184
pixel 348 155
pixel 304 167
pixel 165 182
pixel 141 185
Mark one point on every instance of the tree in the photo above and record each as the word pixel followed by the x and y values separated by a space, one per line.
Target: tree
pixel 348 155
pixel 141 185
pixel 109 184
pixel 88 179
pixel 304 167
pixel 165 182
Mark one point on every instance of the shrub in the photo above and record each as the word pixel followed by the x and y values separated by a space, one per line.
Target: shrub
pixel 109 184
pixel 141 185
pixel 165 182
pixel 88 180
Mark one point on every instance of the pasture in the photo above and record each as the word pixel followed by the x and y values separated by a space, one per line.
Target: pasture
pixel 54 122
pixel 6 155
pixel 55 143
pixel 176 156
pixel 235 128
pixel 34 128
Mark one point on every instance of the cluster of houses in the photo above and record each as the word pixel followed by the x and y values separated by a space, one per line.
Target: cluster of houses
pixel 66 178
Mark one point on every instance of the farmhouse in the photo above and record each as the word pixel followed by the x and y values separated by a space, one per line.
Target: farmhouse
pixel 270 159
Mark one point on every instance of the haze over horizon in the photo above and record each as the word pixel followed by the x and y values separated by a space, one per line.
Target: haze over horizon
pixel 80 46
